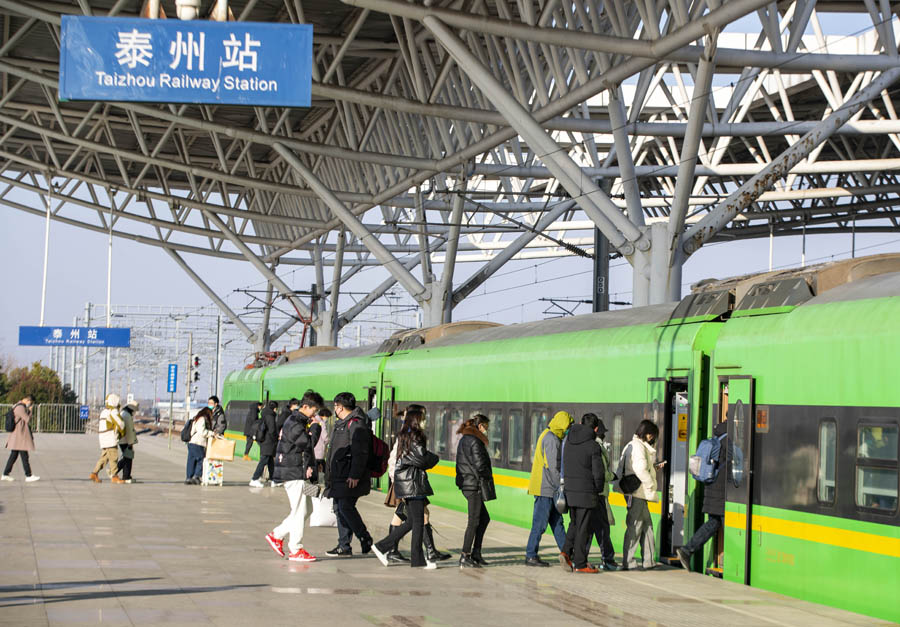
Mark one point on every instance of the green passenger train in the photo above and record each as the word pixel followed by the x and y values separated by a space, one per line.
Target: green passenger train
pixel 801 365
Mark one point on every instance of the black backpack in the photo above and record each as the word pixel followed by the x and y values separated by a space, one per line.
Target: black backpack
pixel 10 424
pixel 260 430
pixel 186 430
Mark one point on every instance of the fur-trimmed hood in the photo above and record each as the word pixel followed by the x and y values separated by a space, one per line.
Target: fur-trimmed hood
pixel 473 431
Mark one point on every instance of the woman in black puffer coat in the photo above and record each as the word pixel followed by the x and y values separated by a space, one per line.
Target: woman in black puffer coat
pixel 475 478
pixel 411 484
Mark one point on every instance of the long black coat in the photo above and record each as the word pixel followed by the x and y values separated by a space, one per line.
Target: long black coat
pixel 295 452
pixel 250 421
pixel 283 415
pixel 583 470
pixel 410 478
pixel 714 493
pixel 348 457
pixel 473 464
pixel 270 439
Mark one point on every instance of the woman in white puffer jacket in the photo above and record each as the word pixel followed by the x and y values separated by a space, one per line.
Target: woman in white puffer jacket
pixel 639 459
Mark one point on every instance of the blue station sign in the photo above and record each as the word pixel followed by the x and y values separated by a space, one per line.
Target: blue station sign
pixel 193 61
pixel 74 336
pixel 172 378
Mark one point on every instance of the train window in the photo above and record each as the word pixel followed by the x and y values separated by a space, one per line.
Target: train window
pixel 827 454
pixel 876 467
pixel 539 422
pixel 456 420
pixel 515 448
pixel 495 434
pixel 737 445
pixel 617 437
pixel 440 432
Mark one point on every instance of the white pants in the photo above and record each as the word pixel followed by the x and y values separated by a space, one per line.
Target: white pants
pixel 293 524
pixel 638 530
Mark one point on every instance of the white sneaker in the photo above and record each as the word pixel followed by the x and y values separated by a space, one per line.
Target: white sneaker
pixel 275 484
pixel 381 556
pixel 7 478
pixel 256 483
pixel 428 565
pixel 32 479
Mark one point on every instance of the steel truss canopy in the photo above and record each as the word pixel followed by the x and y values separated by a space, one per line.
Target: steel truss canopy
pixel 480 131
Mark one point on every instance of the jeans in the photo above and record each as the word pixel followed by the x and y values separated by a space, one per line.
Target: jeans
pixel 478 522
pixel 706 531
pixel 638 530
pixel 600 528
pixel 578 535
pixel 293 524
pixel 12 460
pixel 545 513
pixel 196 453
pixel 264 460
pixel 350 522
pixel 415 521
pixel 126 462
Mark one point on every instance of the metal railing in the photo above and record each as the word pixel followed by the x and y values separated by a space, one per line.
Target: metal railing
pixel 52 418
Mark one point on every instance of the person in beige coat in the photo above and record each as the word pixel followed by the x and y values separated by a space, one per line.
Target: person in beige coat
pixel 110 429
pixel 639 459
pixel 20 442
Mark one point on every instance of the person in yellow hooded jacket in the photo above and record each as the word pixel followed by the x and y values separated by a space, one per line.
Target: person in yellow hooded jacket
pixel 542 486
pixel 109 429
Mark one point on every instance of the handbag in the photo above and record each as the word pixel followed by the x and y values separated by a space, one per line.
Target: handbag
pixel 322 513
pixel 391 500
pixel 310 489
pixel 559 496
pixel 628 483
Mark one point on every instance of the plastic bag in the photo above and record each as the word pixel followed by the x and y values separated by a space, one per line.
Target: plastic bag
pixel 322 513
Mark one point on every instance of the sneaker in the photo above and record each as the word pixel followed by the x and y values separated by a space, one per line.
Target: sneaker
pixel 565 562
pixel 429 565
pixel 610 566
pixel 276 544
pixel 396 557
pixel 7 478
pixel 256 483
pixel 382 557
pixel 339 551
pixel 129 481
pixel 589 570
pixel 684 557
pixel 301 556
pixel 275 484
pixel 536 561
pixel 365 546
pixel 32 479
pixel 188 482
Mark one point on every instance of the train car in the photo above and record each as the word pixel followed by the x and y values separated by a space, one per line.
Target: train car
pixel 798 364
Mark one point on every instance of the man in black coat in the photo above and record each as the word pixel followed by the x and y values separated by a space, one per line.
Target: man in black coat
pixel 292 407
pixel 295 464
pixel 713 503
pixel 347 476
pixel 266 444
pixel 250 428
pixel 583 476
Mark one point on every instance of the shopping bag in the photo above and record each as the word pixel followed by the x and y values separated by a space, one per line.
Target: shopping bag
pixel 322 513
pixel 221 449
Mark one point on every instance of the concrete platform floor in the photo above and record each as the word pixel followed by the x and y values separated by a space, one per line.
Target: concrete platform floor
pixel 74 552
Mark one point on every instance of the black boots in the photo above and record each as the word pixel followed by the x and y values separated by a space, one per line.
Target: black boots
pixel 466 561
pixel 393 555
pixel 431 552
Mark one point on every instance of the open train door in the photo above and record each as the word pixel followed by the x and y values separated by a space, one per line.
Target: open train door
pixel 739 483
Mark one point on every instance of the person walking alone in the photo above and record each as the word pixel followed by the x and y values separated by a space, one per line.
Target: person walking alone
pixel 250 428
pixel 200 432
pixel 410 481
pixel 20 441
pixel 475 478
pixel 583 477
pixel 638 459
pixel 543 485
pixel 267 438
pixel 109 429
pixel 295 466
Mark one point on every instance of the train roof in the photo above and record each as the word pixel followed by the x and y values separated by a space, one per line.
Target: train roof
pixel 878 286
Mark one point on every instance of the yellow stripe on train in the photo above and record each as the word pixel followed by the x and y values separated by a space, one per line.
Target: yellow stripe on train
pixel 855 540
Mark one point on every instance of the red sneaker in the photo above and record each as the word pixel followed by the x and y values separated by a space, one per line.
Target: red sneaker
pixel 301 556
pixel 587 569
pixel 276 544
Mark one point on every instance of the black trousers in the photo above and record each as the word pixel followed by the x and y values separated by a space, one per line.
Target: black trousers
pixel 13 455
pixel 600 530
pixel 349 522
pixel 578 535
pixel 706 531
pixel 478 522
pixel 415 522
pixel 264 461
pixel 248 445
pixel 125 463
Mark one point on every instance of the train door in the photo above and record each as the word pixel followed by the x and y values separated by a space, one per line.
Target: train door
pixel 739 483
pixel 669 410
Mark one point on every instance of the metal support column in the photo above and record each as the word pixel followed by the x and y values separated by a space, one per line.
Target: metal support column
pixel 601 272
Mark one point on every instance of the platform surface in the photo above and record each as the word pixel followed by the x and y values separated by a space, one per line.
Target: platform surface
pixel 158 551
